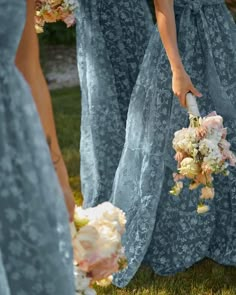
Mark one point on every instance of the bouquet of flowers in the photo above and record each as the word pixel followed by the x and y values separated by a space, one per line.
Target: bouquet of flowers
pixel 201 151
pixel 98 251
pixel 50 11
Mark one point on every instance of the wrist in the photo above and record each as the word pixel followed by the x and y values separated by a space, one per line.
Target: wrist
pixel 53 144
pixel 177 66
pixel 177 70
pixel 55 151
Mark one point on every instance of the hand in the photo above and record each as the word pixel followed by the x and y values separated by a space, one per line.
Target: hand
pixel 181 85
pixel 64 181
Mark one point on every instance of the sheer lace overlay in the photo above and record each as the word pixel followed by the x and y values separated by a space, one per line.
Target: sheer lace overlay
pixel 36 256
pixel 112 37
pixel 165 231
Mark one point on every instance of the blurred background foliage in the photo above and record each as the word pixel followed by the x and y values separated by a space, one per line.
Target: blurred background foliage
pixel 58 34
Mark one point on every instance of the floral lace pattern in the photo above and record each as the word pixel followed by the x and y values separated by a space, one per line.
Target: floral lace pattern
pixel 35 247
pixel 111 39
pixel 165 231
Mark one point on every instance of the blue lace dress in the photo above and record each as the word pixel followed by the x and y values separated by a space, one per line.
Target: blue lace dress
pixel 164 231
pixel 112 36
pixel 35 250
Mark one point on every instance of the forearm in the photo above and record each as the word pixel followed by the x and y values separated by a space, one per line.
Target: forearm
pixel 167 28
pixel 42 99
pixel 27 61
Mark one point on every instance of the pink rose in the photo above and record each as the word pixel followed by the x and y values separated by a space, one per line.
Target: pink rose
pixel 177 177
pixel 194 185
pixel 232 159
pixel 224 133
pixel 179 157
pixel 224 144
pixel 105 268
pixel 213 121
pixel 100 268
pixel 69 20
pixel 201 132
pixel 208 193
pixel 204 178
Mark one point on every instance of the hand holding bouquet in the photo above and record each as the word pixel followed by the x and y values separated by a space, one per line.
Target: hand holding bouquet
pixel 97 244
pixel 50 11
pixel 201 152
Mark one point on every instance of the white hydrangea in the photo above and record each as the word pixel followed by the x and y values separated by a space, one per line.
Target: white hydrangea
pixel 82 282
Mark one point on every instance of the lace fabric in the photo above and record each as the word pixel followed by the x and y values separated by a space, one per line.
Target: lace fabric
pixel 164 231
pixel 111 39
pixel 35 246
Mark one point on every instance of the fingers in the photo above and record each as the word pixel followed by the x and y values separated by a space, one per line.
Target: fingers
pixel 195 92
pixel 182 99
pixel 182 96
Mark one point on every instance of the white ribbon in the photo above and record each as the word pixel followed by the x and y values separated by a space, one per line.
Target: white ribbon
pixel 192 105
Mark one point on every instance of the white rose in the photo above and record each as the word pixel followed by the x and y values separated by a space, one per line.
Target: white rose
pixel 109 240
pixel 82 282
pixel 90 291
pixel 88 237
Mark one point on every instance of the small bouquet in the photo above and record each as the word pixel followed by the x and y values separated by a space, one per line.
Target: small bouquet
pixel 201 151
pixel 98 252
pixel 50 11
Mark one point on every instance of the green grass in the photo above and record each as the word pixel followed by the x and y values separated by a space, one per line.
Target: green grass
pixel 204 278
pixel 67 109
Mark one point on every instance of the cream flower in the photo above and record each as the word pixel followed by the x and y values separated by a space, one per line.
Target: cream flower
pixel 177 188
pixel 97 243
pixel 207 193
pixel 202 209
pixel 189 168
pixel 54 3
pixel 82 282
pixel 105 282
pixel 194 185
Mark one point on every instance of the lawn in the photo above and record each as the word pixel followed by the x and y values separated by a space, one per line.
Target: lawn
pixel 205 278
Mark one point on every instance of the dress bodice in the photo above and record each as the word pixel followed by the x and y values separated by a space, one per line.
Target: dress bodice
pixel 12 19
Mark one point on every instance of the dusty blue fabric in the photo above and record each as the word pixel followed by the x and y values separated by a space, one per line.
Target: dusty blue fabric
pixel 164 231
pixel 35 248
pixel 4 287
pixel 112 37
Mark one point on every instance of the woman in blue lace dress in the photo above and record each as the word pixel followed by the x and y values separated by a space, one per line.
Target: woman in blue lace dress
pixel 35 246
pixel 112 37
pixel 164 231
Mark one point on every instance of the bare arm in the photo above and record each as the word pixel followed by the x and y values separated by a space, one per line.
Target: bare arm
pixel 27 60
pixel 167 27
